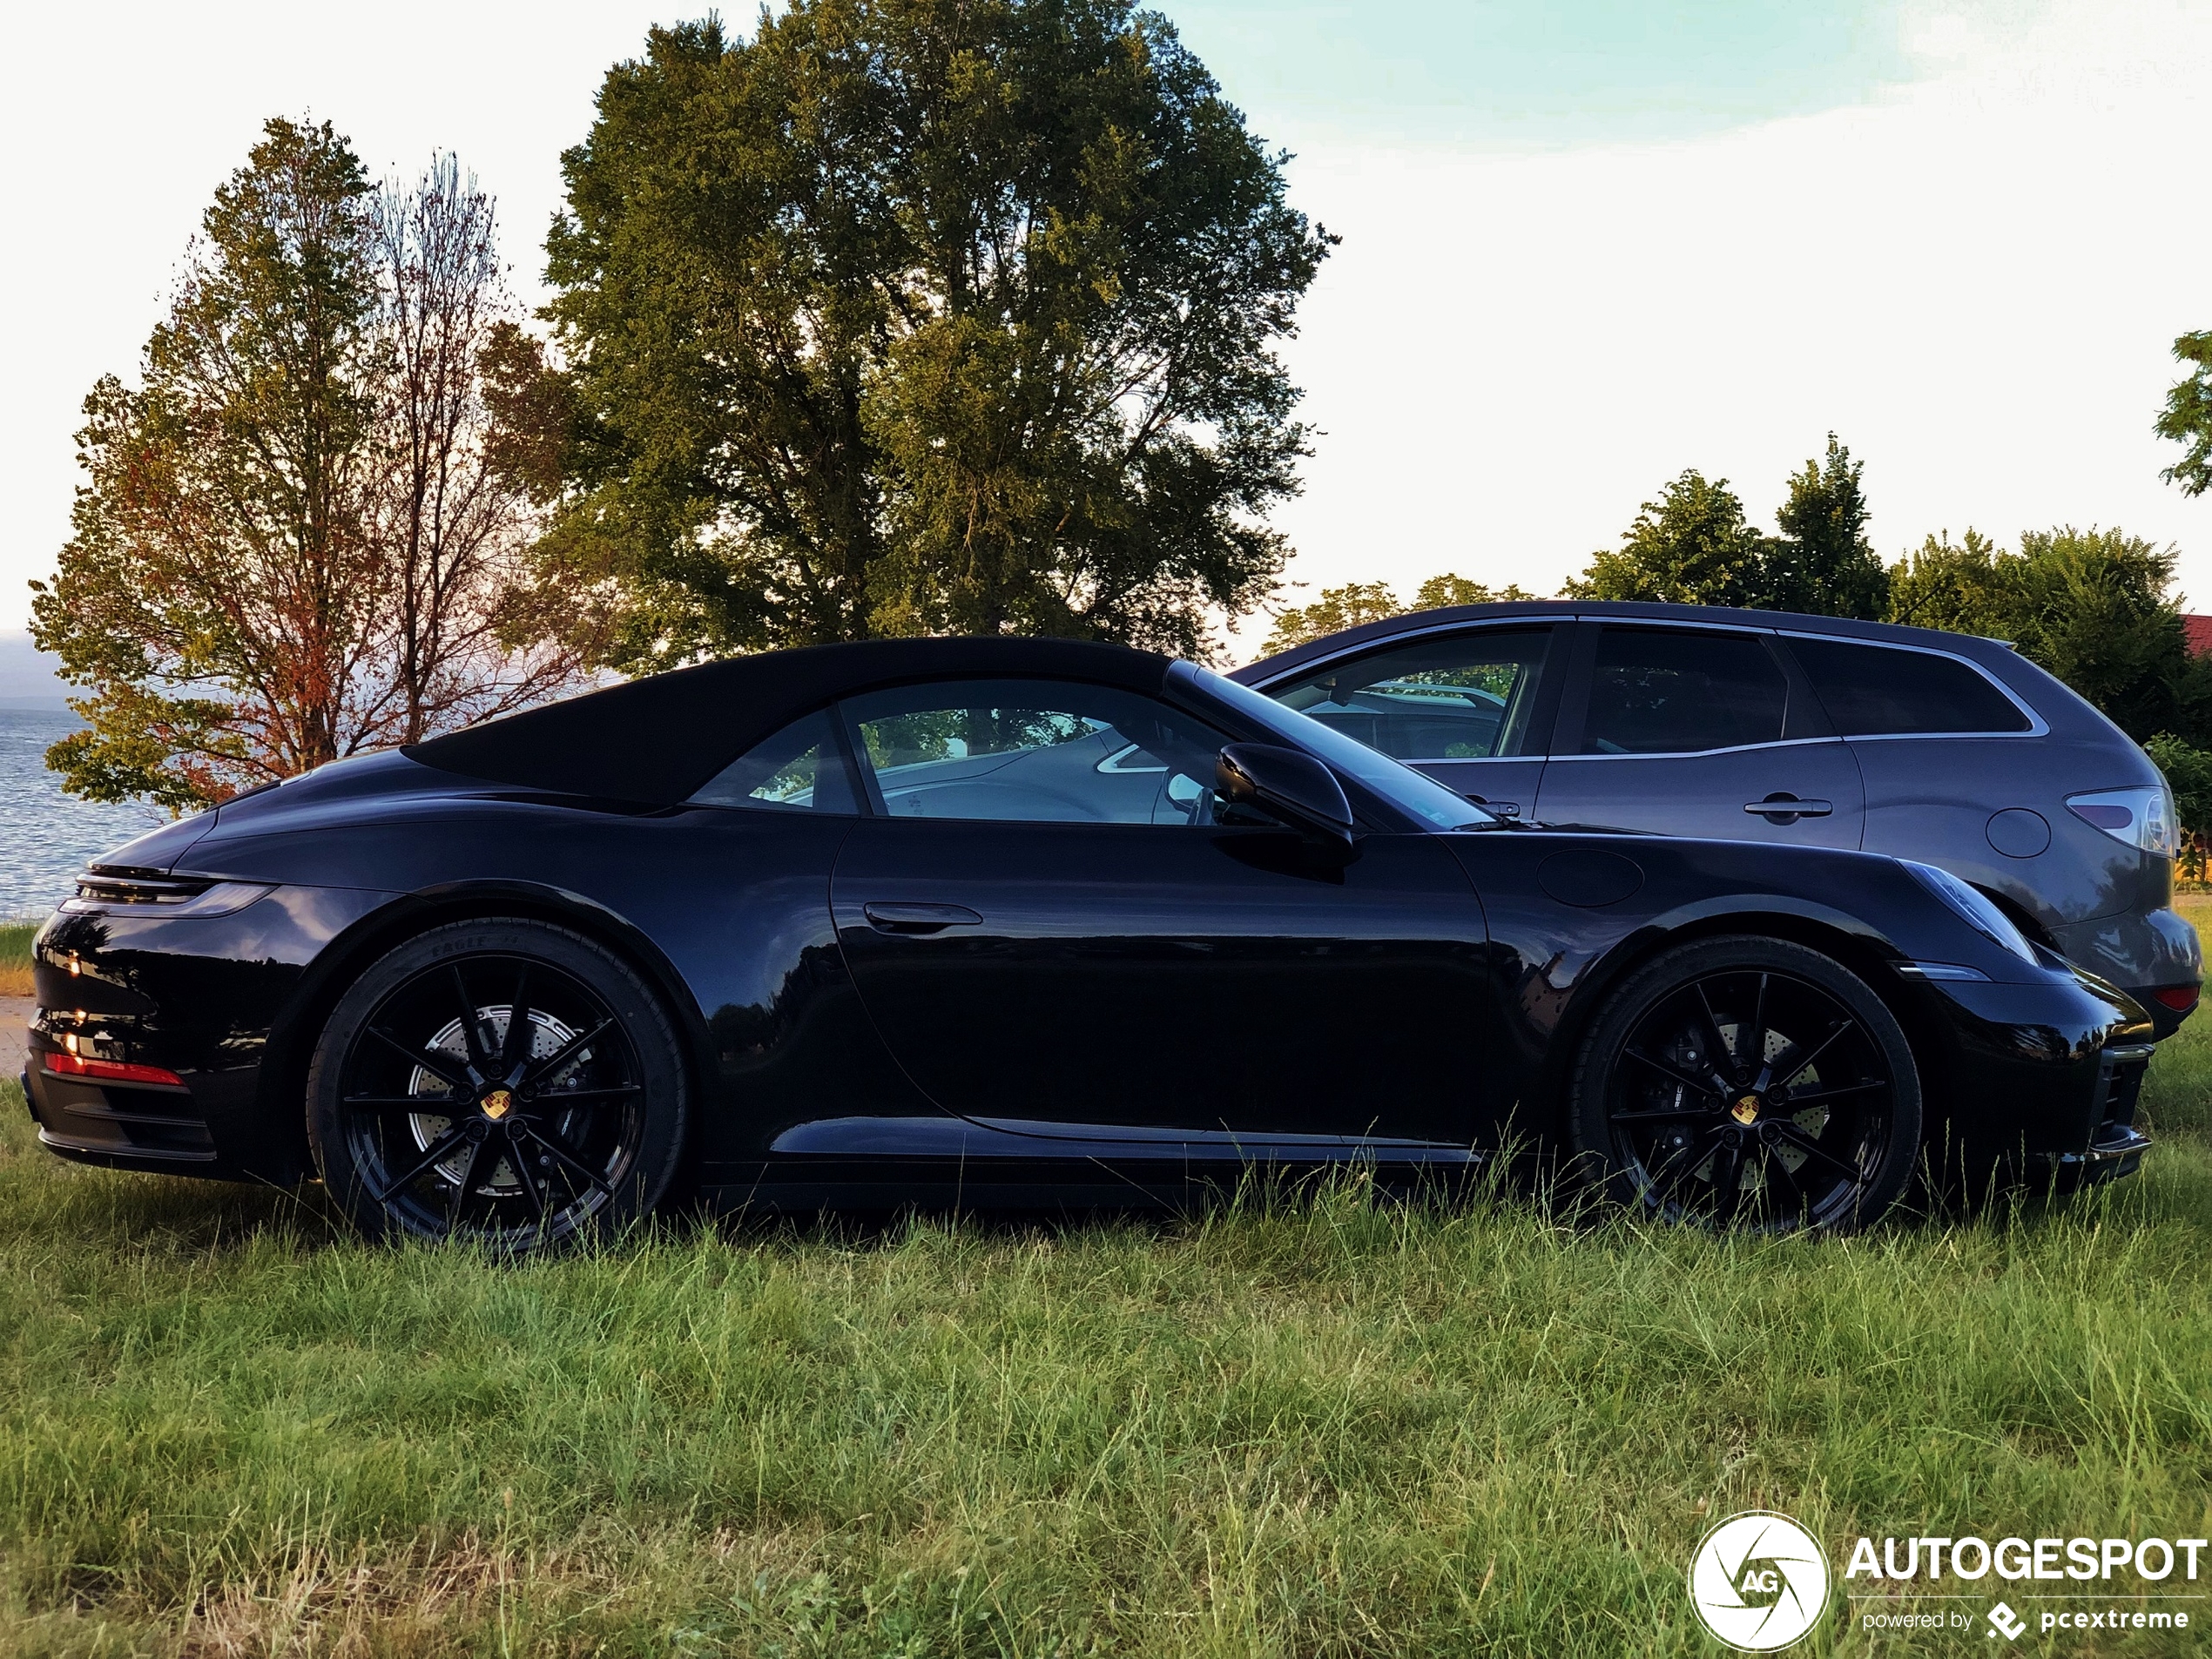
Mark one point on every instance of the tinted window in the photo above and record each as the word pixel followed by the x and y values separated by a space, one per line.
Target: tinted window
pixel 1870 689
pixel 1670 693
pixel 1034 750
pixel 1458 699
pixel 800 769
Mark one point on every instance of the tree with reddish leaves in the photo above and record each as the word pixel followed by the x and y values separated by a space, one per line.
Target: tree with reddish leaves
pixel 288 548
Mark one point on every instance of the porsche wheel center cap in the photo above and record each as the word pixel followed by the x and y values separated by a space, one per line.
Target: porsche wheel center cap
pixel 1746 1110
pixel 497 1105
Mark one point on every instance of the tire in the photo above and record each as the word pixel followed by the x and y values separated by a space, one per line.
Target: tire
pixel 426 1123
pixel 1818 1126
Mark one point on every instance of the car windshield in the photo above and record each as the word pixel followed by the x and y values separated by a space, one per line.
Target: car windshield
pixel 1409 791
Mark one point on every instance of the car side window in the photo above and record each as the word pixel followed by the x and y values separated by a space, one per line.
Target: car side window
pixel 1678 691
pixel 1872 691
pixel 1465 699
pixel 801 769
pixel 1043 751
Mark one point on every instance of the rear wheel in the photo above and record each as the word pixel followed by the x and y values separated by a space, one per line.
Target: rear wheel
pixel 508 1081
pixel 1748 1083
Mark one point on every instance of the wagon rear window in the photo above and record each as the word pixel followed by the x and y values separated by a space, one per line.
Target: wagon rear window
pixel 1872 691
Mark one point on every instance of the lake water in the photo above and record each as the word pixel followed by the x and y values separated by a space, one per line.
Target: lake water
pixel 47 837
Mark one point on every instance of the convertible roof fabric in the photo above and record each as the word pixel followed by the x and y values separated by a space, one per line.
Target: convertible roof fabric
pixel 658 739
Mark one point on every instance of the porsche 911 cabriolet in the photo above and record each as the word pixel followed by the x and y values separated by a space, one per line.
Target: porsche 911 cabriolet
pixel 1023 921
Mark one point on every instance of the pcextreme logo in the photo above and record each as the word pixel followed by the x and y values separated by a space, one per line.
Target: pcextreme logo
pixel 1759 1580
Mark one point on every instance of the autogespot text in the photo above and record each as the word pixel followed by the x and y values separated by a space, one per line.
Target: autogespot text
pixel 2147 1569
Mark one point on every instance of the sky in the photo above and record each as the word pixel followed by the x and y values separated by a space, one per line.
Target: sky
pixel 1586 243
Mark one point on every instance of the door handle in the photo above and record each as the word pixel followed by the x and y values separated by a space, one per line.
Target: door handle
pixel 1782 807
pixel 1502 808
pixel 919 918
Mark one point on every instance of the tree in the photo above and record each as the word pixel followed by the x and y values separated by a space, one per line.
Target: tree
pixel 2187 417
pixel 1954 586
pixel 467 621
pixel 1356 602
pixel 2092 606
pixel 2188 772
pixel 1824 563
pixel 1338 608
pixel 921 315
pixel 1450 589
pixel 282 552
pixel 1691 546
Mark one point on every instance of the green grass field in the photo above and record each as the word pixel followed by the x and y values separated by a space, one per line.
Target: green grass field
pixel 1315 1427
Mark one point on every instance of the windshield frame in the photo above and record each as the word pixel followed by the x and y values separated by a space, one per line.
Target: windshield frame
pixel 1415 794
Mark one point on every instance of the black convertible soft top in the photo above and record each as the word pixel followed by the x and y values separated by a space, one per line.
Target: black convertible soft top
pixel 658 739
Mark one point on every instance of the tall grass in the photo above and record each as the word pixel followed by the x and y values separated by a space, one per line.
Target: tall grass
pixel 15 957
pixel 1325 1425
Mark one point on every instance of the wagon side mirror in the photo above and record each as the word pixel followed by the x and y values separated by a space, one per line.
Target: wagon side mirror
pixel 1287 787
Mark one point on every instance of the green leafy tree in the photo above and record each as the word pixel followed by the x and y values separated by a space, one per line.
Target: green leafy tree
pixel 2092 606
pixel 2187 417
pixel 910 316
pixel 1691 546
pixel 1356 602
pixel 2189 771
pixel 1440 591
pixel 1824 563
pixel 1950 585
pixel 1338 608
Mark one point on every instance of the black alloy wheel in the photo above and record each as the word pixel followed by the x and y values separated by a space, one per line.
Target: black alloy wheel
pixel 1752 1084
pixel 505 1082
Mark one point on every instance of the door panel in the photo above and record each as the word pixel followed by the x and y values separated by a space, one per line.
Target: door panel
pixel 1704 732
pixel 1705 795
pixel 1189 980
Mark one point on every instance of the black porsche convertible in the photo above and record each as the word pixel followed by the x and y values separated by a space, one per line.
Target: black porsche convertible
pixel 1015 920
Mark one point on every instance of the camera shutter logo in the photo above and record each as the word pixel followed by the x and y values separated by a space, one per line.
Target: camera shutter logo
pixel 1759 1581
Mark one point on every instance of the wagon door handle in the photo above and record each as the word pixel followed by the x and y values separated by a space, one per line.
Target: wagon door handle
pixel 1782 807
pixel 919 918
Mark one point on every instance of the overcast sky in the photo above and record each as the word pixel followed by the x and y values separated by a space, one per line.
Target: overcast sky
pixel 1586 243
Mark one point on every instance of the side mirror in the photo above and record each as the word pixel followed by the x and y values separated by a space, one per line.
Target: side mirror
pixel 1287 785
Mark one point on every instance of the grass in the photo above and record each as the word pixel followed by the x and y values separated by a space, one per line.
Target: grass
pixel 1320 1426
pixel 15 957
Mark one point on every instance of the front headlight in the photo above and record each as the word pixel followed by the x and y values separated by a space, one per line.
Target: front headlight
pixel 2143 817
pixel 1973 906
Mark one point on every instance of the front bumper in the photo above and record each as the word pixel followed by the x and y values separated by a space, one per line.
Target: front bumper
pixel 161 1128
pixel 196 997
pixel 2047 1073
pixel 2116 1146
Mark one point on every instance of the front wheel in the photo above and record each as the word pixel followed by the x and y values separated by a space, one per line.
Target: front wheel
pixel 1748 1083
pixel 506 1082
